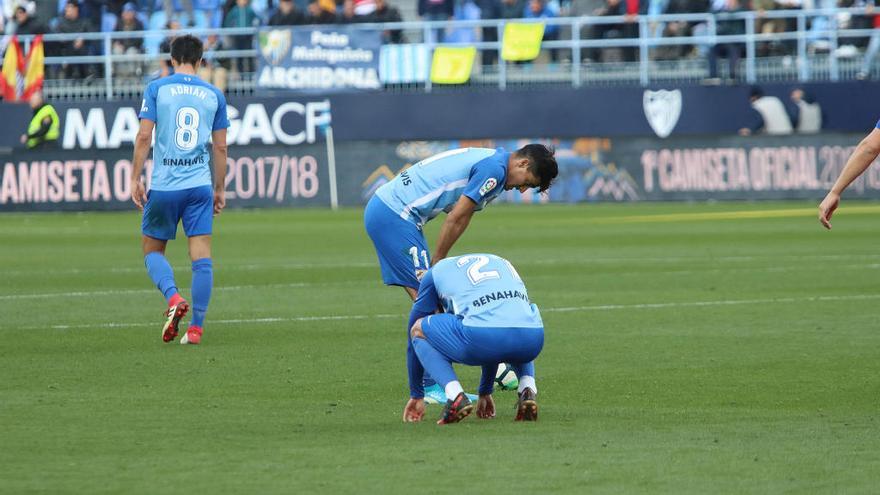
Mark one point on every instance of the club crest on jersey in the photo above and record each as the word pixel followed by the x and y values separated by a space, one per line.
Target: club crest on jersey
pixel 488 186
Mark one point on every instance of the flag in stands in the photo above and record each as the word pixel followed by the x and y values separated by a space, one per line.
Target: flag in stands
pixel 33 76
pixel 12 67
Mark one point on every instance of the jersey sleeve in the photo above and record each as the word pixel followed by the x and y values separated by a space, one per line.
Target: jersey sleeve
pixel 221 118
pixel 486 176
pixel 148 104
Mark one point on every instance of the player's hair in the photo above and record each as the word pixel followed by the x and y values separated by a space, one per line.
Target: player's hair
pixel 186 49
pixel 542 163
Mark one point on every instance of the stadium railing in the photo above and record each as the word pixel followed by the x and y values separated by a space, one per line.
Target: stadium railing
pixel 816 53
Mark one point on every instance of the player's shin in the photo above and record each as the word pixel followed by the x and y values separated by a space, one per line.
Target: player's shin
pixel 161 274
pixel 202 282
pixel 435 364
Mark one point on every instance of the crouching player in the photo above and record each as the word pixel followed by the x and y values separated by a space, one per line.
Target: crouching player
pixel 486 319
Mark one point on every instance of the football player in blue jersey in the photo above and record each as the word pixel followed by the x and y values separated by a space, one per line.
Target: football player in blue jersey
pixel 190 119
pixel 487 319
pixel 458 182
pixel 862 158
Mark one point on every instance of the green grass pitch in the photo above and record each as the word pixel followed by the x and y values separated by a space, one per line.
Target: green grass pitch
pixel 690 348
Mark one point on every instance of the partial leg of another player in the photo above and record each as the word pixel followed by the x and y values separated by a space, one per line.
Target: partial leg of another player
pixel 198 222
pixel 526 404
pixel 458 406
pixel 162 275
pixel 202 284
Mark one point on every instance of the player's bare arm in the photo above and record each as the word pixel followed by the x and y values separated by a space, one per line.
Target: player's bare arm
pixel 141 149
pixel 865 154
pixel 455 224
pixel 218 144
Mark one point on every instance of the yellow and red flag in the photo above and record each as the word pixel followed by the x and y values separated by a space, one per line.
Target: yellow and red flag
pixel 13 65
pixel 35 63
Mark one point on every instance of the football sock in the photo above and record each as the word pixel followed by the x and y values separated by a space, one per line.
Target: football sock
pixel 526 375
pixel 434 362
pixel 202 280
pixel 527 381
pixel 161 273
pixel 453 388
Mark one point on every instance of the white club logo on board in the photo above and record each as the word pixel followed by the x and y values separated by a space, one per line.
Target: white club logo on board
pixel 662 109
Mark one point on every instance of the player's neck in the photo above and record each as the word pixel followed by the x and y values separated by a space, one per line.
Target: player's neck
pixel 187 69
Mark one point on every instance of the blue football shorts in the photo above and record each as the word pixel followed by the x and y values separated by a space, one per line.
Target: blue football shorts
pixel 477 346
pixel 400 244
pixel 165 209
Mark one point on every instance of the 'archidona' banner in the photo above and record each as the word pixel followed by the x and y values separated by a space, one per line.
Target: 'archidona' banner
pixel 590 170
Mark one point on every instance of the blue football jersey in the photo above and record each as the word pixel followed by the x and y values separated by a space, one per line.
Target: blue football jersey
pixel 435 184
pixel 485 290
pixel 186 110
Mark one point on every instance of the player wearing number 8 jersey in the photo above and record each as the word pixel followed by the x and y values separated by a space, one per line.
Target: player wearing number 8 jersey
pixel 190 119
pixel 487 319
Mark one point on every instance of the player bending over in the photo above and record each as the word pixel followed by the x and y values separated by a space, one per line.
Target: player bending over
pixel 458 182
pixel 487 319
pixel 186 112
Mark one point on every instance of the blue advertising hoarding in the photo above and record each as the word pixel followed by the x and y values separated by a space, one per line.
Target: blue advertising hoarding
pixel 318 59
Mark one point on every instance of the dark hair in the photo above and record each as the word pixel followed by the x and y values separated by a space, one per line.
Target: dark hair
pixel 186 49
pixel 542 163
pixel 756 92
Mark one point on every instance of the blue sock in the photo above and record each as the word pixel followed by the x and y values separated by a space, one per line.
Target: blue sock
pixel 435 363
pixel 202 281
pixel 161 273
pixel 524 369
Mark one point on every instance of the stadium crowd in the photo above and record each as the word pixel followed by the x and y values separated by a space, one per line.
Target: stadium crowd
pixel 86 16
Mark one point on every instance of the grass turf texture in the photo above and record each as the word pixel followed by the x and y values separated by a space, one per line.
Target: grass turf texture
pixel 721 348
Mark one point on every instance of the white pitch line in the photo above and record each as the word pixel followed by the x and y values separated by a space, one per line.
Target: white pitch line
pixel 49 295
pixel 564 309
pixel 569 261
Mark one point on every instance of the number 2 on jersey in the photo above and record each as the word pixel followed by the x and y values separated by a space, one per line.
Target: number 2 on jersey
pixel 477 262
pixel 187 134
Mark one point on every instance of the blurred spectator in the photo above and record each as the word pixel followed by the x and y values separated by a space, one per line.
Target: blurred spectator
pixel 242 16
pixel 763 25
pixel 166 69
pixel 511 9
pixel 287 15
pixel 873 44
pixel 805 112
pixel 540 9
pixel 606 31
pixel 387 13
pixel 128 21
pixel 465 10
pixel 364 7
pixel 732 51
pixel 349 14
pixel 436 10
pixel 25 24
pixel 322 12
pixel 187 5
pixel 489 9
pixel 214 69
pixel 44 128
pixel 680 28
pixel 768 115
pixel 71 23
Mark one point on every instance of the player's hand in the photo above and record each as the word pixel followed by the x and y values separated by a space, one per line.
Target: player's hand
pixel 827 207
pixel 486 407
pixel 219 201
pixel 414 411
pixel 138 194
